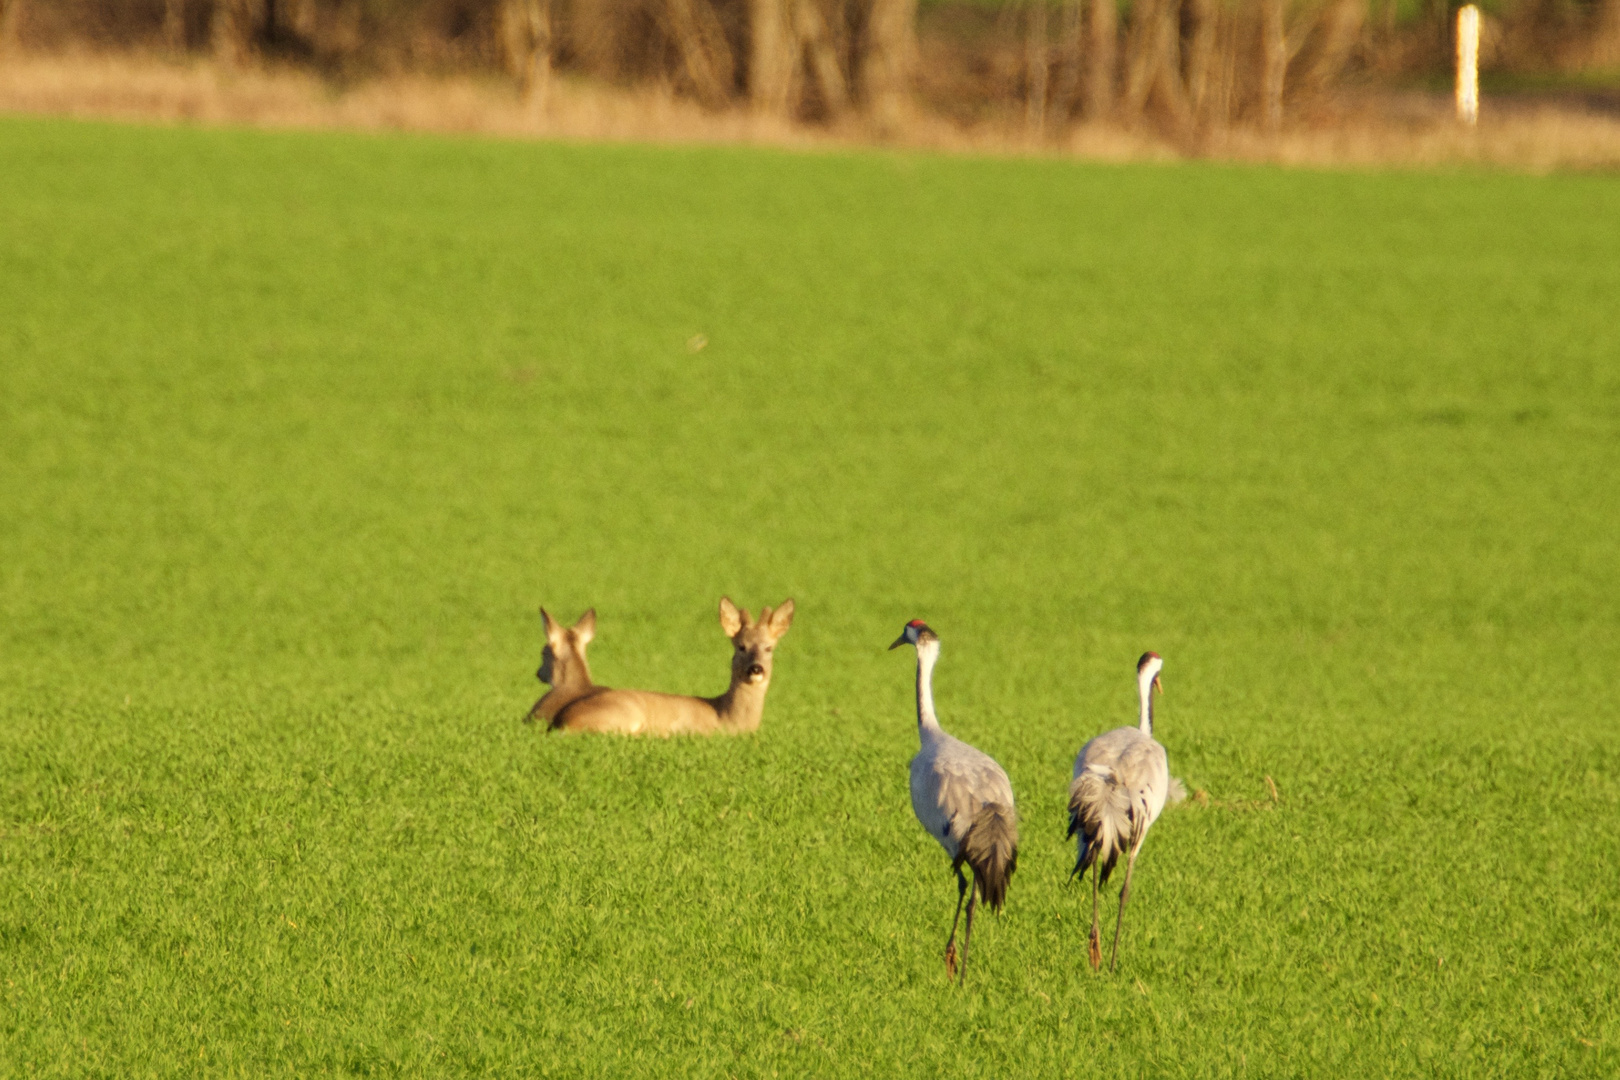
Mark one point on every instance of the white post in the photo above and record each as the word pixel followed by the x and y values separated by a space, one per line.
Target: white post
pixel 1468 64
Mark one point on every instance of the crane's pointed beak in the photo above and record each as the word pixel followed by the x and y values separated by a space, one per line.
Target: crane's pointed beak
pixel 1157 685
pixel 899 641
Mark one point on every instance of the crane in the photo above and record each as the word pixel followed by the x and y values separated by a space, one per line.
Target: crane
pixel 1121 781
pixel 963 799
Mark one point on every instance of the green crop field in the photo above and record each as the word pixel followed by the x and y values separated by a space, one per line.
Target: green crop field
pixel 299 430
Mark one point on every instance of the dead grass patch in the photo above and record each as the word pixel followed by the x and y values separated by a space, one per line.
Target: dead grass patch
pixel 1376 132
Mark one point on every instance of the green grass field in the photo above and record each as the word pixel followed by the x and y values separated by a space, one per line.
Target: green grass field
pixel 299 430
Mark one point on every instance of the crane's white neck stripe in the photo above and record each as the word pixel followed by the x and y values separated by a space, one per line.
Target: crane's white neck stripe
pixel 1144 687
pixel 927 653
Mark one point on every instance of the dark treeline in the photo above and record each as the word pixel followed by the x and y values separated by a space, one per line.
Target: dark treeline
pixel 1181 64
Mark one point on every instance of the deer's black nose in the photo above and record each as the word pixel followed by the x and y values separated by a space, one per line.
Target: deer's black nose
pixel 755 669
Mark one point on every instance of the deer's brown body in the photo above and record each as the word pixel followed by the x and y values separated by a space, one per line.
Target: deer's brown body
pixel 562 664
pixel 643 712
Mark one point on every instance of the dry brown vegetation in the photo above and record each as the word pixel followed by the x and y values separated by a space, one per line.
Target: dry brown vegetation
pixel 1296 81
pixel 1383 130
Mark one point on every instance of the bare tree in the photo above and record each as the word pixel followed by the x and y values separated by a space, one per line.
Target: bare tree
pixel 174 26
pixel 1274 61
pixel 595 29
pixel 1341 24
pixel 816 39
pixel 1153 61
pixel 231 30
pixel 1606 35
pixel 1169 91
pixel 706 58
pixel 1201 59
pixel 1103 66
pixel 10 24
pixel 1071 50
pixel 525 29
pixel 773 50
pixel 890 59
pixel 1035 61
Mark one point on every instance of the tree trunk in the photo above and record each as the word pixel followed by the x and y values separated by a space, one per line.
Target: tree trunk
pixel 1141 56
pixel 10 24
pixel 1035 62
pixel 1233 35
pixel 174 26
pixel 890 62
pixel 525 28
pixel 694 28
pixel 1168 89
pixel 816 37
pixel 231 31
pixel 1342 25
pixel 593 36
pixel 1104 59
pixel 1071 47
pixel 1200 63
pixel 772 55
pixel 1606 35
pixel 1274 60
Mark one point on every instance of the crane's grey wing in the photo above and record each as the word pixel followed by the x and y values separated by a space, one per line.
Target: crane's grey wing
pixel 1144 769
pixel 1105 749
pixel 968 780
pixel 926 800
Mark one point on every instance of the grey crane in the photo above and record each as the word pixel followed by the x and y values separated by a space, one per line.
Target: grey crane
pixel 1121 781
pixel 964 800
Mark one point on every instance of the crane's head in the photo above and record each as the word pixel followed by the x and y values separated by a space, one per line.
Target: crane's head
pixel 1147 670
pixel 915 633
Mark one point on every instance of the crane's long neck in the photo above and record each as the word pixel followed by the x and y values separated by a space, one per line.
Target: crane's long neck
pixel 1144 687
pixel 927 653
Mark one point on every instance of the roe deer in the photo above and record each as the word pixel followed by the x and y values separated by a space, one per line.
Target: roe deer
pixel 563 666
pixel 642 712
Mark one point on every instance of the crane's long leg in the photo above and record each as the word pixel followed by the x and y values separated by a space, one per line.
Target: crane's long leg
pixel 1124 895
pixel 1094 939
pixel 950 943
pixel 967 935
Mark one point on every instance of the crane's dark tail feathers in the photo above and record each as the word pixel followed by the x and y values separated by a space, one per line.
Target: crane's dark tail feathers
pixel 1100 812
pixel 991 849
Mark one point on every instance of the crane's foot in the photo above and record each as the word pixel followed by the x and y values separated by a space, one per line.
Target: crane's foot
pixel 950 960
pixel 1095 949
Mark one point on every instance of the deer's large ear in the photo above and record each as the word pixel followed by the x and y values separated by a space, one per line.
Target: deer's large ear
pixel 585 629
pixel 781 619
pixel 731 620
pixel 553 631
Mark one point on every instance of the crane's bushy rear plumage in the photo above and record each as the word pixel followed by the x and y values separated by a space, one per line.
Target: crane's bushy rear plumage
pixel 1121 783
pixel 1100 812
pixel 991 849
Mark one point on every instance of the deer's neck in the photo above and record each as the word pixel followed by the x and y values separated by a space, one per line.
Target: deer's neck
pixel 741 706
pixel 1144 688
pixel 927 654
pixel 575 675
pixel 571 679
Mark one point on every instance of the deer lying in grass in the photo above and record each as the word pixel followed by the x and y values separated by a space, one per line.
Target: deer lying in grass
pixel 641 712
pixel 563 666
